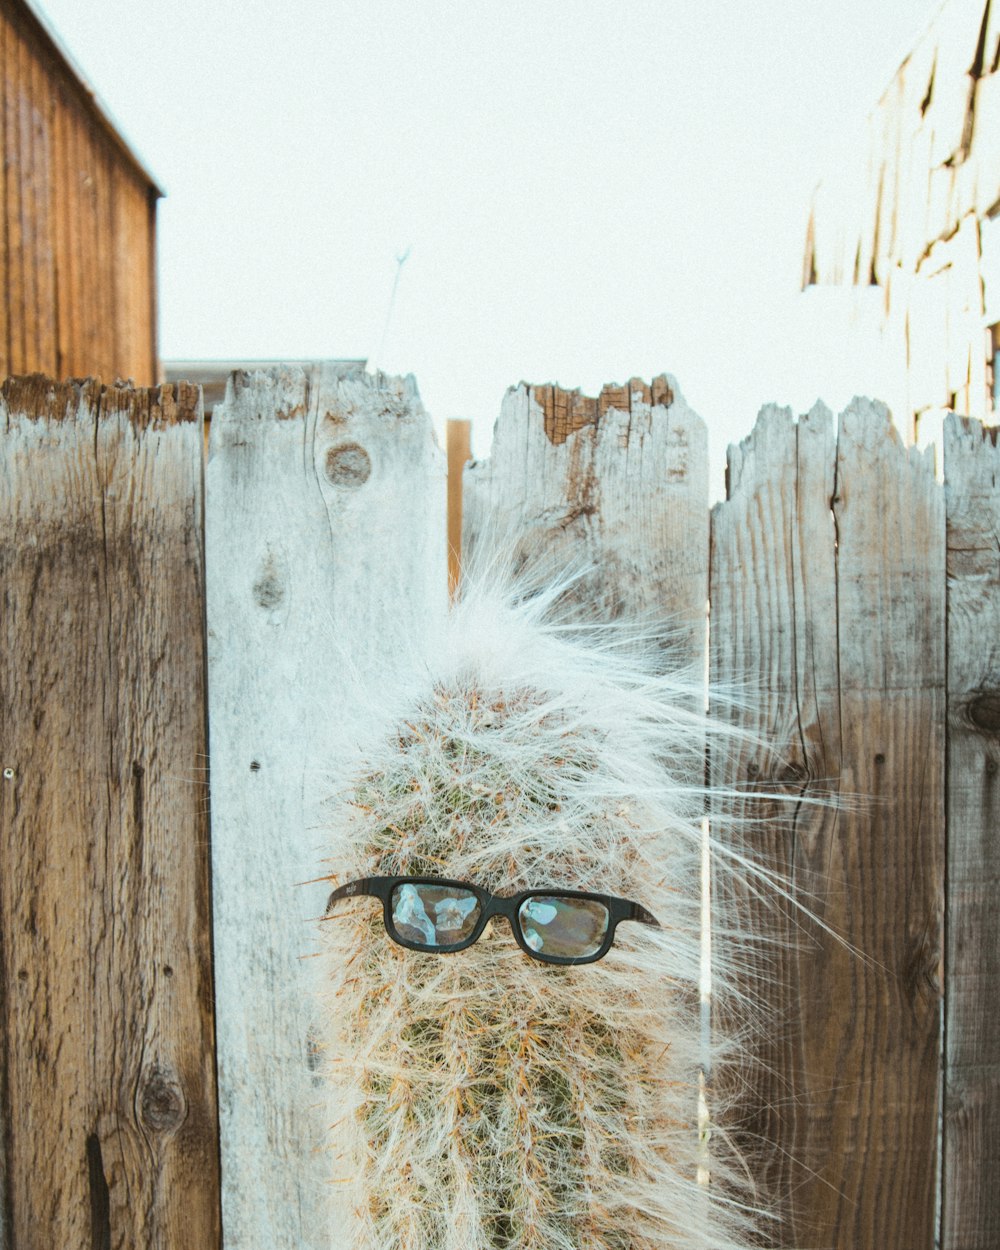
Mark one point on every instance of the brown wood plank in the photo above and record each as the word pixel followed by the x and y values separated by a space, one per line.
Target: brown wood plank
pixel 970 1208
pixel 42 110
pixel 79 269
pixel 151 307
pixel 29 211
pixel 84 250
pixel 101 311
pixel 62 211
pixel 112 346
pixel 21 18
pixel 110 1118
pixel 616 486
pixel 459 443
pixel 93 362
pixel 828 597
pixel 142 264
pixel 17 353
pixel 5 37
pixel 128 320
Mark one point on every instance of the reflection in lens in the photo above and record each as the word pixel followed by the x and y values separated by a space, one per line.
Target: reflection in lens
pixel 435 916
pixel 570 928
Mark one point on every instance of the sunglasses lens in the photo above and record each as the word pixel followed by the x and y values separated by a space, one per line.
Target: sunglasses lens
pixel 569 928
pixel 434 916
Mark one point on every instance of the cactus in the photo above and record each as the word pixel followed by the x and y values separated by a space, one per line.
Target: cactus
pixel 486 1100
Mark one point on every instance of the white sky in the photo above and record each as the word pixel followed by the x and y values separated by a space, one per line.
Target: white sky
pixel 591 189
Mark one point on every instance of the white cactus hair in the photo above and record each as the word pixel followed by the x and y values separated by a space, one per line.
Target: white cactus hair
pixel 485 1100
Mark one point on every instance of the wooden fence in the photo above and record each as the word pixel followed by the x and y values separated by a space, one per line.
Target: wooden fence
pixel 157 1074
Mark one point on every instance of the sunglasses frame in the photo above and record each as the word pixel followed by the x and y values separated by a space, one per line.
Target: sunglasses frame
pixel 491 905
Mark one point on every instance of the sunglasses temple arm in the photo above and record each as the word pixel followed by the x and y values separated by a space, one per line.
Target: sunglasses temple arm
pixel 643 916
pixel 350 890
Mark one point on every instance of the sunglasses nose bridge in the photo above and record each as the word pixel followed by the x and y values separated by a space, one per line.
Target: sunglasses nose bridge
pixel 501 909
pixel 493 908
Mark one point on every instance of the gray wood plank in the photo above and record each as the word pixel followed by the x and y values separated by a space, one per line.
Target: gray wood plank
pixel 325 535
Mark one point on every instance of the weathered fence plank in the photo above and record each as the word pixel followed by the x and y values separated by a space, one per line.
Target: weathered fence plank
pixel 109 1115
pixel 828 596
pixel 970 1207
pixel 773 627
pixel 618 483
pixel 325 535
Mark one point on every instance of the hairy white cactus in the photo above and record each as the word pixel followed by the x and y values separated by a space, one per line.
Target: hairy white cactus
pixel 487 1100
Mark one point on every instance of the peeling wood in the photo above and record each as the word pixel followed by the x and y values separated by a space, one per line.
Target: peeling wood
pixel 622 495
pixel 565 412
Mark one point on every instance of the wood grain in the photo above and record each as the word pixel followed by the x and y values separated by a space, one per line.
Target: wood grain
pixel 13 277
pixel 106 997
pixel 325 536
pixel 827 600
pixel 971 1143
pixel 459 453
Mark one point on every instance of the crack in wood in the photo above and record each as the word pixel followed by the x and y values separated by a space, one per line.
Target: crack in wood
pixel 100 1196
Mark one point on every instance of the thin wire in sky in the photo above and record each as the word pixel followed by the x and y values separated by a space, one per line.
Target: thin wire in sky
pixel 401 259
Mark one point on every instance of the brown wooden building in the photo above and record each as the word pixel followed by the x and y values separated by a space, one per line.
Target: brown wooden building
pixel 78 245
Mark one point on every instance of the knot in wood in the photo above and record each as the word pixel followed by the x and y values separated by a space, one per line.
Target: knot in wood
pixel 792 774
pixel 269 589
pixel 162 1106
pixel 984 711
pixel 348 465
pixel 922 963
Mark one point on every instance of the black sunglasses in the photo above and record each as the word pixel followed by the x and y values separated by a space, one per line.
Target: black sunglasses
pixel 436 914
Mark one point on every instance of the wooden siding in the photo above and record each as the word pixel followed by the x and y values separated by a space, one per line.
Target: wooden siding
pixel 77 251
pixel 916 213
